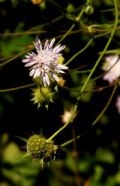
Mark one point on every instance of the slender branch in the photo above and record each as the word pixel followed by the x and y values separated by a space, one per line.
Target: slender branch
pixel 106 106
pixel 17 88
pixel 80 51
pixel 73 25
pixel 14 57
pixel 70 141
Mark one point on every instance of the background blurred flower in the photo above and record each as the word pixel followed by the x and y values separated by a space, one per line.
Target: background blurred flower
pixel 112 68
pixel 68 114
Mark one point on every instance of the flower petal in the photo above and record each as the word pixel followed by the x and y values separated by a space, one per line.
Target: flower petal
pixel 38 45
pixel 52 43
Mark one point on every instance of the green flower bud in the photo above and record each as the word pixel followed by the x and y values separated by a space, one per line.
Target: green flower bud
pixel 89 10
pixel 70 8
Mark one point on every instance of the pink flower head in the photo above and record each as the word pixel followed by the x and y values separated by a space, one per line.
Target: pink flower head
pixel 112 68
pixel 44 64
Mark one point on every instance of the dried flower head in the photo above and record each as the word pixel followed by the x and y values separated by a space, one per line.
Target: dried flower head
pixel 39 149
pixel 45 64
pixel 112 68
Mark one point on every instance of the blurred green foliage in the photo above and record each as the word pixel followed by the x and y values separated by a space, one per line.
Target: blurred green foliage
pixel 15 170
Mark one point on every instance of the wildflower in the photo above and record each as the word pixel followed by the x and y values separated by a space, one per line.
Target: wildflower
pixel 45 64
pixel 117 104
pixel 112 68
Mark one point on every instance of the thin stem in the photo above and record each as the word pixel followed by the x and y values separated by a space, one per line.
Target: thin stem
pixel 106 106
pixel 116 51
pixel 65 125
pixel 23 33
pixel 33 29
pixel 12 58
pixel 17 88
pixel 80 51
pixel 96 120
pixel 84 48
pixel 66 34
pixel 71 28
pixel 70 141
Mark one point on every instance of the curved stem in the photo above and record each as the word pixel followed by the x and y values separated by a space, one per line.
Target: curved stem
pixel 80 51
pixel 106 106
pixel 96 120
